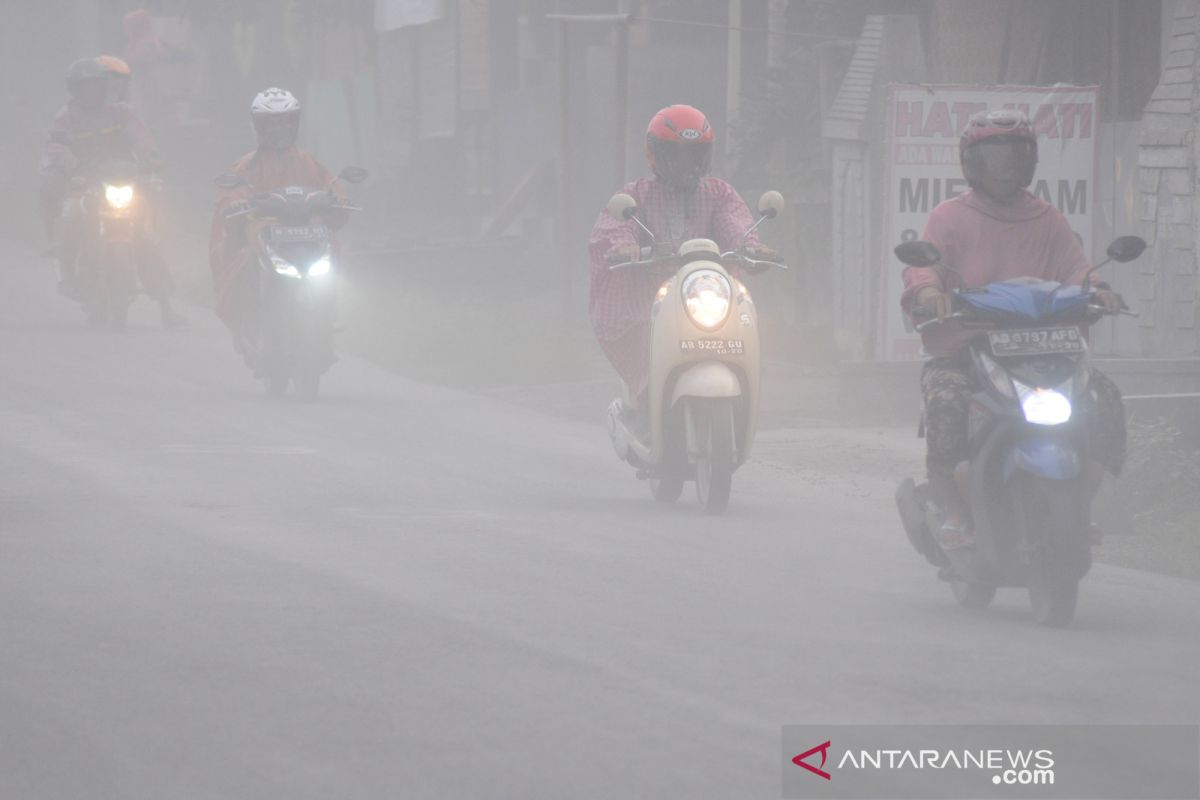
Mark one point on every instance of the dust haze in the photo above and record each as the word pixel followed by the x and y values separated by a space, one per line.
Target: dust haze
pixel 363 534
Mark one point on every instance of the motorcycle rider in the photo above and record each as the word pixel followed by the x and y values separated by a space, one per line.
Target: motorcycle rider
pixel 678 203
pixel 119 77
pixel 996 230
pixel 277 162
pixel 93 128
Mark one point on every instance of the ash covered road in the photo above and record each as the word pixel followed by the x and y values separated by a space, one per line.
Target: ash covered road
pixel 408 591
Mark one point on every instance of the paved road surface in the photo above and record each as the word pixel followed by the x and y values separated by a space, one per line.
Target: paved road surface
pixel 406 591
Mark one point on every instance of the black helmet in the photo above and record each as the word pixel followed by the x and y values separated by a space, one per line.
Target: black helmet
pixel 87 83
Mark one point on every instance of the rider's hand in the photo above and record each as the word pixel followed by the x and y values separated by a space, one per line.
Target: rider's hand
pixel 623 254
pixel 1111 301
pixel 934 302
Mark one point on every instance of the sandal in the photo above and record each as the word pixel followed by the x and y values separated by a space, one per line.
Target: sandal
pixel 954 536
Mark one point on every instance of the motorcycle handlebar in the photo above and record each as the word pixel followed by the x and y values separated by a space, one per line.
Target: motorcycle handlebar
pixel 675 260
pixel 1122 311
pixel 1094 308
pixel 253 206
pixel 741 258
pixel 923 325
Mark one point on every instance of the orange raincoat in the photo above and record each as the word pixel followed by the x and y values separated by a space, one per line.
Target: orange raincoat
pixel 230 243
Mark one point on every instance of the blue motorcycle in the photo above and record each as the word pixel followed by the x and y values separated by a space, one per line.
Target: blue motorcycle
pixel 1027 434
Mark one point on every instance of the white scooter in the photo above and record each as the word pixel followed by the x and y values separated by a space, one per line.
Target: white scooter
pixel 704 370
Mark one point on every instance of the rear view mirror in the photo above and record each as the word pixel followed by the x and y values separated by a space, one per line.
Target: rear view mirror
pixel 1126 248
pixel 771 204
pixel 622 206
pixel 353 174
pixel 229 181
pixel 918 254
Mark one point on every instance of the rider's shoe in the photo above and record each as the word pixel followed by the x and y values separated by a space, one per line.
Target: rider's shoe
pixel 635 419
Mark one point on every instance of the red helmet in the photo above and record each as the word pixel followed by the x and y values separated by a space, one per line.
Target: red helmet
pixel 999 144
pixel 679 146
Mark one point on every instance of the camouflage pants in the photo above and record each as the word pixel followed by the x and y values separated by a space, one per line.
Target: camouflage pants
pixel 948 385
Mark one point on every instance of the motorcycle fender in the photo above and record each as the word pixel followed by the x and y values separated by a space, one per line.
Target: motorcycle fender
pixel 708 379
pixel 117 231
pixel 1045 457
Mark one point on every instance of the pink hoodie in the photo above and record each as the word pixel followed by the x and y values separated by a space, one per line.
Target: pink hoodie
pixel 987 242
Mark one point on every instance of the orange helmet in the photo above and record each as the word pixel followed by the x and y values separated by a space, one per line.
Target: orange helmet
pixel 118 74
pixel 114 65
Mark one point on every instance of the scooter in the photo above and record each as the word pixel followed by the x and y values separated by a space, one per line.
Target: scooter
pixel 704 369
pixel 297 268
pixel 114 210
pixel 1027 433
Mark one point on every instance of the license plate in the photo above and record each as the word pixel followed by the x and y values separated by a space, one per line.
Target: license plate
pixel 1036 341
pixel 296 233
pixel 116 228
pixel 718 347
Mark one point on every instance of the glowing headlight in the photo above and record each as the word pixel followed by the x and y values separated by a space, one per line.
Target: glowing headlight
pixel 118 196
pixel 282 267
pixel 1044 406
pixel 706 297
pixel 320 268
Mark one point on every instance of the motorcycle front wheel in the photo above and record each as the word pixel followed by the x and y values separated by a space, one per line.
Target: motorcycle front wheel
pixel 713 421
pixel 307 387
pixel 277 384
pixel 118 285
pixel 1056 523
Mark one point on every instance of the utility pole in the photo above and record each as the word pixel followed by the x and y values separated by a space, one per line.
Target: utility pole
pixel 622 110
pixel 564 174
pixel 733 78
pixel 621 23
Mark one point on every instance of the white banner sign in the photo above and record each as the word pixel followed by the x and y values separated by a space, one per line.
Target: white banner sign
pixel 923 127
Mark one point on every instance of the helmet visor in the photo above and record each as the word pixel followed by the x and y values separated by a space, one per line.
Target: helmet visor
pixel 118 87
pixel 1002 160
pixel 682 164
pixel 277 131
pixel 90 93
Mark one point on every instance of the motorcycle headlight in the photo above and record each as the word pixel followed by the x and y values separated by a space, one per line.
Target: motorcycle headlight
pixel 706 296
pixel 283 267
pixel 118 196
pixel 997 375
pixel 320 267
pixel 1043 406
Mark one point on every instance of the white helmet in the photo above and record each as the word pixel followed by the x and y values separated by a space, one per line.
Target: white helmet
pixel 276 117
pixel 274 101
